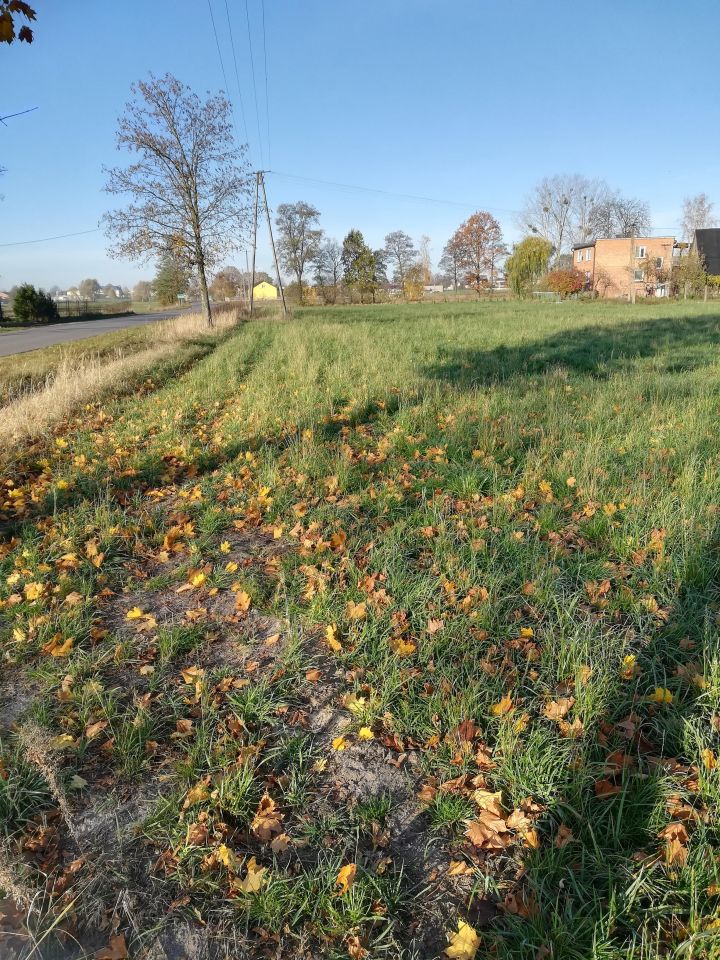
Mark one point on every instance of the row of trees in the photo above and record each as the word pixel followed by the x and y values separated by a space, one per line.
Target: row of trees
pixel 188 201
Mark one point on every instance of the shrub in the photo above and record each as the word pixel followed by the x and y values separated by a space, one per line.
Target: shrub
pixel 31 305
pixel 564 282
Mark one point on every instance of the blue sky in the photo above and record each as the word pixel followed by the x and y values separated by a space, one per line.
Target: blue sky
pixel 467 102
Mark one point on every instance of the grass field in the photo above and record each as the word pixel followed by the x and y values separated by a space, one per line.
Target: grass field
pixel 383 632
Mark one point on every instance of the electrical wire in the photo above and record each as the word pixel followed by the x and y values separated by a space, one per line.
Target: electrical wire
pixel 386 193
pixel 62 236
pixel 267 98
pixel 252 67
pixel 237 74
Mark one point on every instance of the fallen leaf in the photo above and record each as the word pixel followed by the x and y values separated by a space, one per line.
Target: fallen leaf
pixel 464 943
pixel 346 877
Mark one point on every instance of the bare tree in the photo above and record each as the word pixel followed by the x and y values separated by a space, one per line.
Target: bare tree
pixel 329 269
pixel 188 187
pixel 299 239
pixel 697 215
pixel 401 252
pixel 618 216
pixel 558 209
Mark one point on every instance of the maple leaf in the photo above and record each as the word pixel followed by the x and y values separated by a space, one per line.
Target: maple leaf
pixel 340 743
pixel 196 794
pixel 488 831
pixel 502 707
pixel 487 800
pixel 242 601
pixel 464 943
pixel 115 950
pixel 57 647
pixel 346 878
pixel 365 733
pixel 356 611
pixel 558 709
pixel 33 591
pixel 253 879
pixel 134 614
pixel 628 667
pixel 267 819
pixel 403 648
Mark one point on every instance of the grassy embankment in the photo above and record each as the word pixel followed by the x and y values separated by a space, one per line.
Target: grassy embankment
pixel 373 631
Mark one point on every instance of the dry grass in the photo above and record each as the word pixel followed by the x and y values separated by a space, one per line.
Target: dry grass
pixel 75 379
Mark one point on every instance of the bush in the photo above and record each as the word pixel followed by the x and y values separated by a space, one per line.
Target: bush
pixel 564 282
pixel 33 306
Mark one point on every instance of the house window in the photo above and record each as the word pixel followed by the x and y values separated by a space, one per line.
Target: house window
pixel 588 254
pixel 640 252
pixel 579 256
pixel 659 262
pixel 639 274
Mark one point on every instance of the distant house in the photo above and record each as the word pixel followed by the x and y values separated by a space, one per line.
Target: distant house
pixel 433 288
pixel 264 291
pixel 706 243
pixel 613 267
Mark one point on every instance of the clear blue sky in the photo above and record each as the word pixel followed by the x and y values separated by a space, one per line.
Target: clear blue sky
pixel 469 101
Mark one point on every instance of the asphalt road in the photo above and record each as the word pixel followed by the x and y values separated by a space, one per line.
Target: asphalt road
pixel 33 338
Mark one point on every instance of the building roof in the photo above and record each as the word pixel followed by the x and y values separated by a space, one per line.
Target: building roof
pixel 582 246
pixel 707 243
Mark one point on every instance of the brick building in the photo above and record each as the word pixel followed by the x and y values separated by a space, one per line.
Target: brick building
pixel 613 267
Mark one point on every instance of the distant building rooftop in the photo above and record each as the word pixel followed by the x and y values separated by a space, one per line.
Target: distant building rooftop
pixel 707 244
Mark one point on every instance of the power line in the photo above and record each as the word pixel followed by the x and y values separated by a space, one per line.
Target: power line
pixel 62 236
pixel 237 74
pixel 252 67
pixel 267 98
pixel 20 113
pixel 387 193
pixel 222 67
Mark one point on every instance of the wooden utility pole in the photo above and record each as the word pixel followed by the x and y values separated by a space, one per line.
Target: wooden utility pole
pixel 260 182
pixel 252 281
pixel 272 243
pixel 632 263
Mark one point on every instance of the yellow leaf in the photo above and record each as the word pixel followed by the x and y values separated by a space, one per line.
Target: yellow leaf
pixel 661 695
pixel 346 877
pixel 33 591
pixel 198 579
pixel 628 667
pixel 464 943
pixel 339 743
pixel 62 741
pixel 225 546
pixel 196 794
pixel 709 759
pixel 231 566
pixel 365 733
pixel 356 611
pixel 58 647
pixel 502 707
pixel 242 601
pixel 254 878
pixel 134 614
pixel 331 639
pixel 226 856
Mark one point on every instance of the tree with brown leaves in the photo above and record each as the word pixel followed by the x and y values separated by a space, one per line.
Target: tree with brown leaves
pixel 188 188
pixel 479 243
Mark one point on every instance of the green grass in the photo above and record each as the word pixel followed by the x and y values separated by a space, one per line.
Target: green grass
pixel 525 498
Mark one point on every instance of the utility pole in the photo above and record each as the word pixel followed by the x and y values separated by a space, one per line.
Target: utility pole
pixel 260 182
pixel 632 263
pixel 272 243
pixel 252 281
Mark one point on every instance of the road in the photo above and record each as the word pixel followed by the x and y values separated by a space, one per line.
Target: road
pixel 33 338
